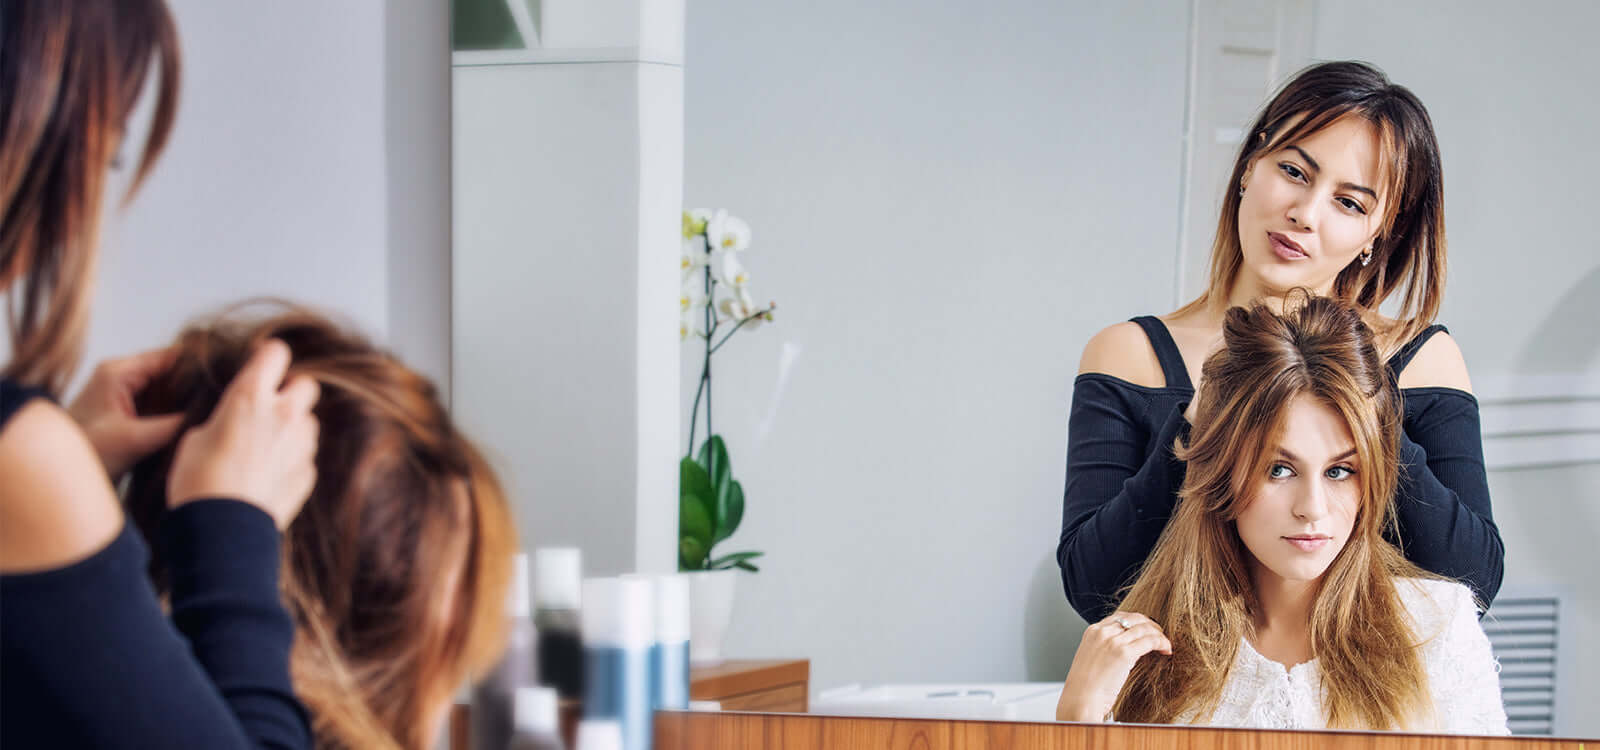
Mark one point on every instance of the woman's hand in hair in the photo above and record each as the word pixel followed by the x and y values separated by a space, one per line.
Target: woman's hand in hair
pixel 105 411
pixel 260 443
pixel 1105 658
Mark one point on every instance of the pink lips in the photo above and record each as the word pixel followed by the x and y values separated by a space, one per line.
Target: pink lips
pixel 1308 542
pixel 1285 248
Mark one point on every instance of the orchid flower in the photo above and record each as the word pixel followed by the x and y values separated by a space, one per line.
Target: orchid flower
pixel 694 222
pixel 730 272
pixel 727 232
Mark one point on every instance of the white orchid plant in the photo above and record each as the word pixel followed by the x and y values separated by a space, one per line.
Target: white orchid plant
pixel 715 299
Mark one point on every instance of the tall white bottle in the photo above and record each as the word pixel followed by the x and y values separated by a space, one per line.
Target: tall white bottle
pixel 618 630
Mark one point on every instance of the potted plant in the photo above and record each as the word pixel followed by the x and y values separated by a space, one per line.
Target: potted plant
pixel 715 305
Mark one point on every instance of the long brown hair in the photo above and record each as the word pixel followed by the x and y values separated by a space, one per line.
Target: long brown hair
pixel 397 568
pixel 70 73
pixel 1410 245
pixel 1197 582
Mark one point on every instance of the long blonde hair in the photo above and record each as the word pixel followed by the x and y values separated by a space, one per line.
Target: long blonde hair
pixel 1410 247
pixel 397 568
pixel 1197 583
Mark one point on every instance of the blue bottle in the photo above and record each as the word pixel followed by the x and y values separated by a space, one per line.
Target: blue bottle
pixel 669 655
pixel 618 629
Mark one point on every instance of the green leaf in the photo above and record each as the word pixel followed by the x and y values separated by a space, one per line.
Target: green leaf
pixel 691 554
pixel 730 560
pixel 742 565
pixel 714 459
pixel 694 516
pixel 693 483
pixel 693 522
pixel 730 511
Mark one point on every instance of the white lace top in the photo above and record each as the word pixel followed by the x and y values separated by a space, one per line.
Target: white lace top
pixel 1463 676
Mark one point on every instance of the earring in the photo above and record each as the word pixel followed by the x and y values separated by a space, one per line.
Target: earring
pixel 1366 258
pixel 1241 190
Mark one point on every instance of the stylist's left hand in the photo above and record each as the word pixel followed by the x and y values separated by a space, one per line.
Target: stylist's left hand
pixel 105 411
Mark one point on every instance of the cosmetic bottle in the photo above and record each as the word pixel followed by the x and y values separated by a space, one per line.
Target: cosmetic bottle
pixel 535 719
pixel 492 698
pixel 618 630
pixel 557 596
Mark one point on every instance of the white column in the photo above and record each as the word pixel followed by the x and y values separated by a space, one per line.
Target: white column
pixel 568 173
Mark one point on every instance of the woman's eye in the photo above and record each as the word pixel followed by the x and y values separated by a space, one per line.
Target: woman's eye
pixel 1340 472
pixel 1353 205
pixel 1292 170
pixel 1280 471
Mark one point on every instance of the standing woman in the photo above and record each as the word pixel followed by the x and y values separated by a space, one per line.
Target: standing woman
pixel 1337 189
pixel 89 658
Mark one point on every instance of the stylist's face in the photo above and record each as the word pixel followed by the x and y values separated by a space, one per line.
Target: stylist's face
pixel 1310 208
pixel 1303 510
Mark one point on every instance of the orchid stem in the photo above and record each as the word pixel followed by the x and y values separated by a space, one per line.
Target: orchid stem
pixel 736 329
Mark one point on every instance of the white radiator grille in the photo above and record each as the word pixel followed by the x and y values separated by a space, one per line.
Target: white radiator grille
pixel 1525 633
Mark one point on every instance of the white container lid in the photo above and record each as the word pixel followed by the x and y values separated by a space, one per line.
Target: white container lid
pixel 618 612
pixel 533 710
pixel 672 608
pixel 559 572
pixel 599 734
pixel 518 603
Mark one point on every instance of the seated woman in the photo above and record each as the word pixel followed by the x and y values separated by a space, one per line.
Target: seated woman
pixel 1272 599
pixel 396 569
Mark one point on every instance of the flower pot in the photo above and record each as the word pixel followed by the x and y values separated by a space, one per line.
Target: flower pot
pixel 710 610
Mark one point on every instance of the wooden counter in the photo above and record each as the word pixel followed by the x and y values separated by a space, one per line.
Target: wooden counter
pixel 716 730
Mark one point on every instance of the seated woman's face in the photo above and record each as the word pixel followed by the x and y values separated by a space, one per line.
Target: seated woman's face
pixel 1303 510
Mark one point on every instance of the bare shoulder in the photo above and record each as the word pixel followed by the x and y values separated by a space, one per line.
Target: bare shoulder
pixel 56 503
pixel 1438 364
pixel 1123 351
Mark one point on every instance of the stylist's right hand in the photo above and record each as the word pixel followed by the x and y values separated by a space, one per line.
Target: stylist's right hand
pixel 260 443
pixel 1103 662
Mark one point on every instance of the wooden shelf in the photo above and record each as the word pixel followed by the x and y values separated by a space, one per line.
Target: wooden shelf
pixel 781 686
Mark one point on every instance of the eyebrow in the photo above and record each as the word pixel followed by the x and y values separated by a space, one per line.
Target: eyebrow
pixel 1296 459
pixel 1348 185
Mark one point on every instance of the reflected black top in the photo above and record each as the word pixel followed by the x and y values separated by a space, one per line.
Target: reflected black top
pixel 90 660
pixel 1123 479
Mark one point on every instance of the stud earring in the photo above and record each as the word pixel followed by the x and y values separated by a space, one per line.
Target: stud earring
pixel 1241 190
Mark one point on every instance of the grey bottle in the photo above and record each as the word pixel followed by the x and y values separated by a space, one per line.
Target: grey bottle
pixel 493 698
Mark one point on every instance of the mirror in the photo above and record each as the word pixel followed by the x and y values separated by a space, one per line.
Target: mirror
pixel 947 200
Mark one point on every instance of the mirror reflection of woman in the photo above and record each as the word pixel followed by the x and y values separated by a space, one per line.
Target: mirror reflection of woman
pixel 1272 599
pixel 1337 189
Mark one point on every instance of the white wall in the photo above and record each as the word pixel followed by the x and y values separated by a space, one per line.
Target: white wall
pixel 309 161
pixel 947 200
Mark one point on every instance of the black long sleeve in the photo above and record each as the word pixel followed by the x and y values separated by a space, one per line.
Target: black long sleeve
pixel 1122 483
pixel 1446 525
pixel 90 660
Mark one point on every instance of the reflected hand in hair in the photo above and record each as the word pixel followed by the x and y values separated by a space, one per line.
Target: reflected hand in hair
pixel 1104 659
pixel 259 445
pixel 105 411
